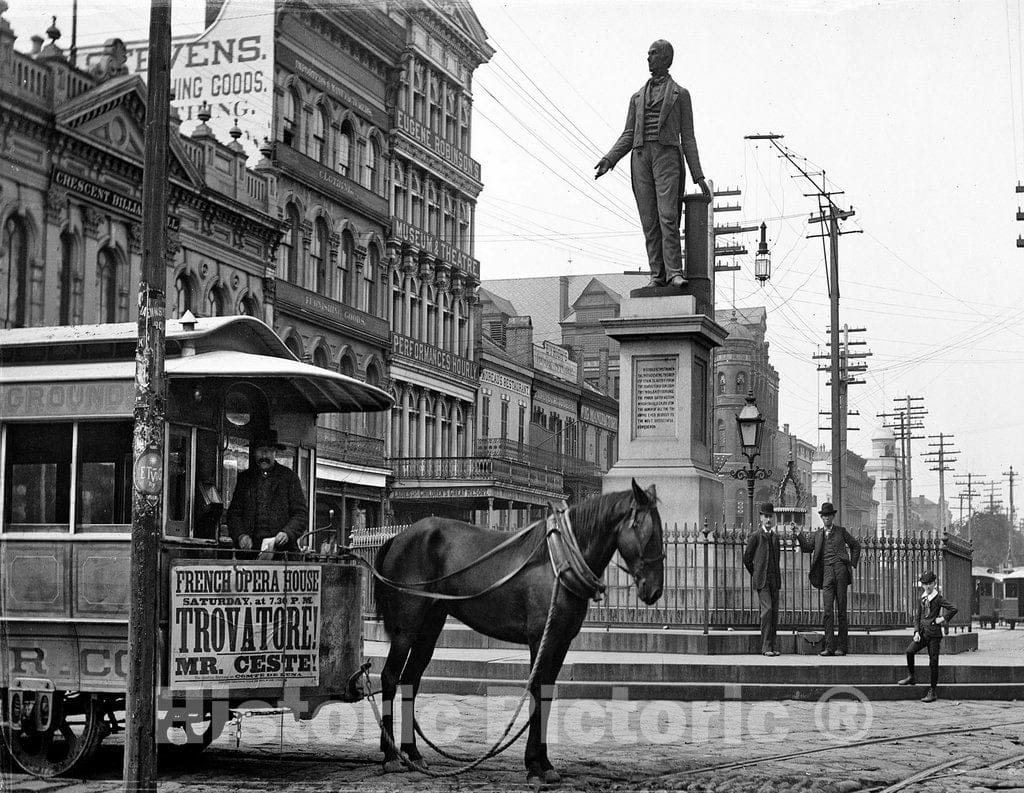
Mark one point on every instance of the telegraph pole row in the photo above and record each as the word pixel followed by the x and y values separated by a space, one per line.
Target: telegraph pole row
pixel 903 422
pixel 971 478
pixel 941 458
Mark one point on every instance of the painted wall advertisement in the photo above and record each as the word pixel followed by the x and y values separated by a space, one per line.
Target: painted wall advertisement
pixel 244 626
pixel 229 67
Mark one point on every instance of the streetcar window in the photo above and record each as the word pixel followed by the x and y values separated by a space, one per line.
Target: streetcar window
pixel 38 477
pixel 208 506
pixel 179 475
pixel 104 474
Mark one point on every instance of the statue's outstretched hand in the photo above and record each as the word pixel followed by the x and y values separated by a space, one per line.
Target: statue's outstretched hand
pixel 704 188
pixel 602 168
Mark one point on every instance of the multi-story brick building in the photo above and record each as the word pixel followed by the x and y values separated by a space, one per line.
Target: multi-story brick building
pixel 70 199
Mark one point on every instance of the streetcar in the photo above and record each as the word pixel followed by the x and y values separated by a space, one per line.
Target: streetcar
pixel 998 596
pixel 284 631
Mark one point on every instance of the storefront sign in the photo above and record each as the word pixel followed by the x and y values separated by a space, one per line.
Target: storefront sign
pixel 318 77
pixel 229 67
pixel 102 195
pixel 432 245
pixel 435 357
pixel 504 381
pixel 244 625
pixel 429 139
pixel 596 417
pixel 654 396
pixel 554 360
pixel 329 181
pixel 81 398
pixel 556 401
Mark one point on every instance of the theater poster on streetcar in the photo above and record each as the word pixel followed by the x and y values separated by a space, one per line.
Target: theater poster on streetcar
pixel 244 625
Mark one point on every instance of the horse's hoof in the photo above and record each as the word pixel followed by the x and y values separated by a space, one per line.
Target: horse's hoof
pixel 394 767
pixel 548 776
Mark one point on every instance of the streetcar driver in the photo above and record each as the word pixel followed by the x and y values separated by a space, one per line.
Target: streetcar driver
pixel 268 510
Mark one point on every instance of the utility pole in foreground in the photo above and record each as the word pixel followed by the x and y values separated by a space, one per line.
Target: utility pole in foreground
pixel 150 401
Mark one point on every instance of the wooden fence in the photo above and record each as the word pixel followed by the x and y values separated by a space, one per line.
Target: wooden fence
pixel 706 586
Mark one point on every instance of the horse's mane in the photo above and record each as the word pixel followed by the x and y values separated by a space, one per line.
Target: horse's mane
pixel 591 516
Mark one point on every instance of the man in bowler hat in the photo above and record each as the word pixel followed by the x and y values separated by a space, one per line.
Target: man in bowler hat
pixel 268 502
pixel 933 613
pixel 834 555
pixel 761 558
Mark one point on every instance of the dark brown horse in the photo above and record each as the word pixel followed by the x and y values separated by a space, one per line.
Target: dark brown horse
pixel 425 556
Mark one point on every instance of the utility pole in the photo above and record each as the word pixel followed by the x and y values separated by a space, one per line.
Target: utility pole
pixel 150 402
pixel 994 504
pixel 941 458
pixel 903 422
pixel 970 477
pixel 1013 516
pixel 847 371
pixel 829 217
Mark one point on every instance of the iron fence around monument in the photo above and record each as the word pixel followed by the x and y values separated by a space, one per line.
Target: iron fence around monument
pixel 706 585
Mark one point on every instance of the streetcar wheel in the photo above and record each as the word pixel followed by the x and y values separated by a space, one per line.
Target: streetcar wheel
pixel 76 730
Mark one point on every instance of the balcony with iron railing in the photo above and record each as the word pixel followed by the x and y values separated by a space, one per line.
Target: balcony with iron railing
pixel 476 469
pixel 349 447
pixel 505 449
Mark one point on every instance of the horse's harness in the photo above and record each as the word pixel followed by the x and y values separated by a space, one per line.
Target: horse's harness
pixel 566 556
pixel 567 559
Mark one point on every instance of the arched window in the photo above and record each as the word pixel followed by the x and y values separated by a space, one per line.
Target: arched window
pixel 401 210
pixel 345 148
pixel 888 523
pixel 721 383
pixel 249 307
pixel 184 296
pixel 15 261
pixel 888 491
pixel 106 277
pixel 68 267
pixel 215 302
pixel 318 255
pixel 293 345
pixel 741 382
pixel 321 358
pixel 343 287
pixel 290 117
pixel 372 166
pixel 291 245
pixel 397 317
pixel 720 435
pixel 318 143
pixel 370 271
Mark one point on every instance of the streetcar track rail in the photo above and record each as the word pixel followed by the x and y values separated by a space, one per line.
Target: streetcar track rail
pixel 835 747
pixel 936 772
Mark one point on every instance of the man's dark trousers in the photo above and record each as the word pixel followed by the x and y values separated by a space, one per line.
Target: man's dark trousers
pixel 657 175
pixel 933 643
pixel 768 599
pixel 834 588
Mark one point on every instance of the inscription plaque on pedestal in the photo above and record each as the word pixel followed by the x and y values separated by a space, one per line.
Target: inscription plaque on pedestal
pixel 654 396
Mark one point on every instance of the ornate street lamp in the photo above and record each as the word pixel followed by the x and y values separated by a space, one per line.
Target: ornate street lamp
pixel 763 259
pixel 750 424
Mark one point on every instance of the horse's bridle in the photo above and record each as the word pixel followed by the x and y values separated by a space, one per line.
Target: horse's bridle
pixel 642 562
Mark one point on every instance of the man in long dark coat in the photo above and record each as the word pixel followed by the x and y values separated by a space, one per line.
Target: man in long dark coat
pixel 761 558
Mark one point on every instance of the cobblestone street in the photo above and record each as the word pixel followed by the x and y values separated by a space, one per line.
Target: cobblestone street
pixel 844 746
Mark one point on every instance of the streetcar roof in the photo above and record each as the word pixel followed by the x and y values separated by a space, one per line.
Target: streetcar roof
pixel 209 347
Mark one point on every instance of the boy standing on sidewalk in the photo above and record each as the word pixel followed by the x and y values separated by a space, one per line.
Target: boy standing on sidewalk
pixel 933 612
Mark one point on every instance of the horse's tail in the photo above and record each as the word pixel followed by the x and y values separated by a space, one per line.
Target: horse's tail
pixel 382 593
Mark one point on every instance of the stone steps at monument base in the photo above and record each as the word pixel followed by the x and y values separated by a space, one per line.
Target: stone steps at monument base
pixel 774 672
pixel 692 642
pixel 682 691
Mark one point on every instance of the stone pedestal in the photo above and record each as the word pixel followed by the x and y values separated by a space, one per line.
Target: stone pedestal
pixel 665 405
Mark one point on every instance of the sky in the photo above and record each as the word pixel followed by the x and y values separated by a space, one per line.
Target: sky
pixel 912 109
